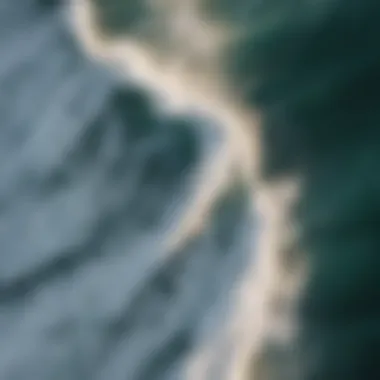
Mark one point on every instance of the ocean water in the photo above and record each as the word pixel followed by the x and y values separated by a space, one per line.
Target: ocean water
pixel 92 178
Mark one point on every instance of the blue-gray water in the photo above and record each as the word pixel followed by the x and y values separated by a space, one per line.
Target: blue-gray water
pixel 90 179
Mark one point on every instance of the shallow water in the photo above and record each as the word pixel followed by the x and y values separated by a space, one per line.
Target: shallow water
pixel 91 179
